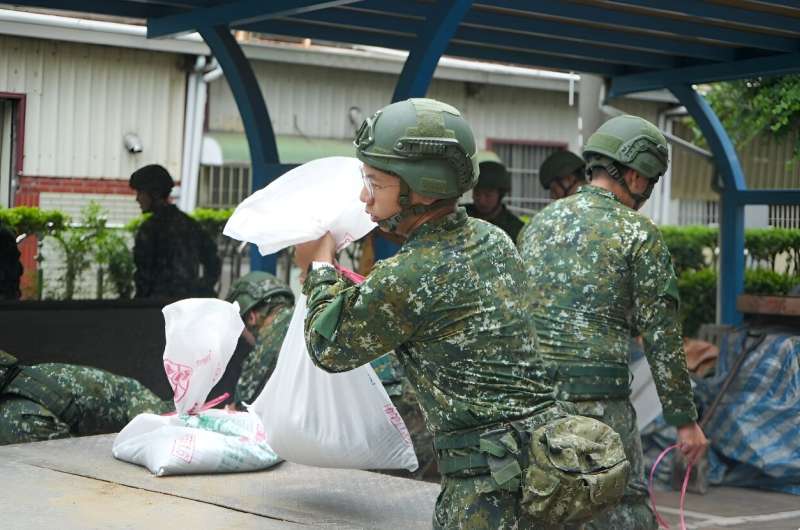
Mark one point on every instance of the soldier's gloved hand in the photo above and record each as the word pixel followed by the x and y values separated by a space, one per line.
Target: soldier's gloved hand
pixel 692 441
pixel 322 249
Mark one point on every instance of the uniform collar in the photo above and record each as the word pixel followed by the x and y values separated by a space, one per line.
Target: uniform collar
pixel 442 224
pixel 588 188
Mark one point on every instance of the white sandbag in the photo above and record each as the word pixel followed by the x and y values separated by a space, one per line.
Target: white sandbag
pixel 344 420
pixel 214 441
pixel 201 337
pixel 302 204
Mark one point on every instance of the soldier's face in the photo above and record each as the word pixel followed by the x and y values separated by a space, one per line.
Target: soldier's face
pixel 380 193
pixel 145 201
pixel 486 200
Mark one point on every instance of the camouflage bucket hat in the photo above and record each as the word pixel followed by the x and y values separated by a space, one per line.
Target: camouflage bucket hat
pixel 577 469
pixel 255 288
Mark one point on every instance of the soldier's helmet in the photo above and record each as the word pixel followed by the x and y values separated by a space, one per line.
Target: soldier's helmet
pixel 153 179
pixel 631 141
pixel 427 143
pixel 255 288
pixel 558 165
pixel 493 173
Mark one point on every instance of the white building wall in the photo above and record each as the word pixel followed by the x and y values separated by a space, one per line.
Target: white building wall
pixel 314 101
pixel 81 100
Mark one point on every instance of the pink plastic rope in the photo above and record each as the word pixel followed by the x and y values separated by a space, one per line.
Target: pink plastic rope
pixel 354 277
pixel 661 522
pixel 207 405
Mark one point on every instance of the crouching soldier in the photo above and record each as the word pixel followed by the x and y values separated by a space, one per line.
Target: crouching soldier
pixel 53 400
pixel 450 304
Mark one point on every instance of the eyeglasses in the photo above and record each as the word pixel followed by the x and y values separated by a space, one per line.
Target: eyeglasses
pixel 372 187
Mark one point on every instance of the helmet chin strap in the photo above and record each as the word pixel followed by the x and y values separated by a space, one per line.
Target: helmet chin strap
pixel 392 223
pixel 638 198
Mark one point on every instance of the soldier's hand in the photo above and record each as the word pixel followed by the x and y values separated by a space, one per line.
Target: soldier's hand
pixel 322 249
pixel 692 441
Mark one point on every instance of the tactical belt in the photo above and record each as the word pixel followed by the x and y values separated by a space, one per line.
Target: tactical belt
pixel 499 450
pixel 585 382
pixel 44 390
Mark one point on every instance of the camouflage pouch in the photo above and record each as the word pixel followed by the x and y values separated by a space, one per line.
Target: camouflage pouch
pixel 577 468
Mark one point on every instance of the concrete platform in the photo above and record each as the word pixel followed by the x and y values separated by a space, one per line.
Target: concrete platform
pixel 76 484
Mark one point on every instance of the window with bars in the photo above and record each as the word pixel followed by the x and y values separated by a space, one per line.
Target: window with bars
pixel 223 186
pixel 523 159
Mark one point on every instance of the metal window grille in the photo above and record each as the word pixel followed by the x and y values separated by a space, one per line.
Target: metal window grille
pixel 223 186
pixel 698 213
pixel 523 160
pixel 784 216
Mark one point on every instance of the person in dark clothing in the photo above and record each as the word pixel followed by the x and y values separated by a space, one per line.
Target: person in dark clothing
pixel 174 256
pixel 493 183
pixel 10 267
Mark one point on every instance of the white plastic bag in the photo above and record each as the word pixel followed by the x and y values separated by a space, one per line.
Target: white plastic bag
pixel 342 420
pixel 302 204
pixel 214 441
pixel 201 337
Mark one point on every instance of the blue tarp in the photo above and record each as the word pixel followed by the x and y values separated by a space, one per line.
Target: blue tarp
pixel 755 430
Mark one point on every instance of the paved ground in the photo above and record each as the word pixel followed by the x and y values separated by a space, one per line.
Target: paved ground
pixel 77 484
pixel 735 508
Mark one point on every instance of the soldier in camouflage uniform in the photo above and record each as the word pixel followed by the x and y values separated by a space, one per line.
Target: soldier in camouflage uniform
pixel 494 183
pixel 600 272
pixel 448 304
pixel 266 305
pixel 53 400
pixel 562 173
pixel 174 256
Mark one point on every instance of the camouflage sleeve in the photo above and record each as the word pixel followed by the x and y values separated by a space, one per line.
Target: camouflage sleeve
pixel 349 325
pixel 655 315
pixel 144 251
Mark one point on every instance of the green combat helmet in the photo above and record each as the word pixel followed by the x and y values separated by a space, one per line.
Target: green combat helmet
pixel 632 142
pixel 493 173
pixel 561 164
pixel 428 144
pixel 255 288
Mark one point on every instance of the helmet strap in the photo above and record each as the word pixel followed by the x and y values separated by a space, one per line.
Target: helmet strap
pixel 638 198
pixel 392 223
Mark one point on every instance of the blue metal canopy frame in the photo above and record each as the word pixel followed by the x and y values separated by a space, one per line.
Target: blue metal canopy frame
pixel 637 45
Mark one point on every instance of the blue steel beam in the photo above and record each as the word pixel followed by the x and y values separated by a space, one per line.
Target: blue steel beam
pixel 120 8
pixel 731 241
pixel 479 16
pixel 499 37
pixel 772 65
pixel 430 44
pixel 728 13
pixel 235 13
pixel 532 60
pixel 632 22
pixel 265 164
pixel 782 197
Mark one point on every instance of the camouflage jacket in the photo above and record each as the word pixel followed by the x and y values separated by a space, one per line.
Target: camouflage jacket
pixel 260 363
pixel 599 273
pixel 510 223
pixel 449 305
pixel 169 250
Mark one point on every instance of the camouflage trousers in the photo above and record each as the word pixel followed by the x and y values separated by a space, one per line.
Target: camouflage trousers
pixel 634 512
pixel 105 403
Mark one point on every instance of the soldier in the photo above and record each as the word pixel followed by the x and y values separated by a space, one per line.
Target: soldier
pixel 174 256
pixel 10 267
pixel 599 271
pixel 447 303
pixel 563 173
pixel 266 305
pixel 53 400
pixel 493 184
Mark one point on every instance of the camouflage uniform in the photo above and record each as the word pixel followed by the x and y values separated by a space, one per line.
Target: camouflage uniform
pixel 599 271
pixel 169 249
pixel 260 363
pixel 10 267
pixel 448 305
pixel 52 400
